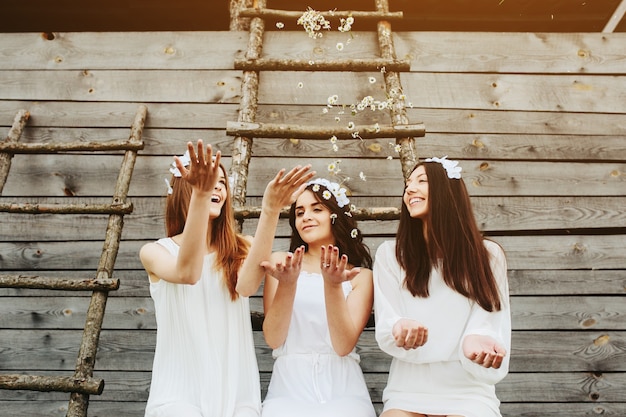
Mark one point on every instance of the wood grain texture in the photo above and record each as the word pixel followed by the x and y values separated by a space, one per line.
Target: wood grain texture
pixel 536 120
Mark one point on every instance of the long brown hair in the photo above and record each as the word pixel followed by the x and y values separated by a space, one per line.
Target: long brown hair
pixel 231 247
pixel 454 244
pixel 342 228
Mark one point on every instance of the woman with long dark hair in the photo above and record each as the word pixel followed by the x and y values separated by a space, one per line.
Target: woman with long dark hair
pixel 318 298
pixel 441 302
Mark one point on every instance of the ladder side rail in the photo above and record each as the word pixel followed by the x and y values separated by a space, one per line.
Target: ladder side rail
pixel 242 146
pixel 14 135
pixel 85 361
pixel 408 153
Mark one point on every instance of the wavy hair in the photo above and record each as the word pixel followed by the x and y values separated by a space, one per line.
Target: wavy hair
pixel 231 247
pixel 354 248
pixel 454 244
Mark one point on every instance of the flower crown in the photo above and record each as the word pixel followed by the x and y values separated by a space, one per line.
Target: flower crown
pixel 451 167
pixel 331 187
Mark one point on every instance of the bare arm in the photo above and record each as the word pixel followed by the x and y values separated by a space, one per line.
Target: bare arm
pixel 279 294
pixel 281 191
pixel 347 316
pixel 202 175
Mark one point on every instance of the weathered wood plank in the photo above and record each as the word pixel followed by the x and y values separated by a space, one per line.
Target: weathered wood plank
pixel 429 51
pixel 492 213
pixel 456 146
pixel 136 409
pixel 133 350
pixel 199 86
pixel 550 93
pixel 134 283
pixel 513 52
pixel 215 116
pixel 118 50
pixel 516 387
pixel 568 252
pixel 95 175
pixel 528 312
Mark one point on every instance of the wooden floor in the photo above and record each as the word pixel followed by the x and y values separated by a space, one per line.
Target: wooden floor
pixel 537 120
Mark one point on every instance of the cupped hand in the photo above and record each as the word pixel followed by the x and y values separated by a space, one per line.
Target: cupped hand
pixel 334 267
pixel 483 350
pixel 284 188
pixel 409 334
pixel 286 272
pixel 204 170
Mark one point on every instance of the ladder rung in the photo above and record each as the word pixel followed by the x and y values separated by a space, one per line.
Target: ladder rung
pixel 273 130
pixel 370 213
pixel 52 383
pixel 294 14
pixel 353 65
pixel 59 283
pixel 50 208
pixel 49 148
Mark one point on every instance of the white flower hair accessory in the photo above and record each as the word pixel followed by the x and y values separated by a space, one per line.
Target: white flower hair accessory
pixel 451 167
pixel 333 187
pixel 185 159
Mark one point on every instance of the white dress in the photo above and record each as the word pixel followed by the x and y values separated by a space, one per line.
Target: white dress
pixel 437 378
pixel 204 362
pixel 309 379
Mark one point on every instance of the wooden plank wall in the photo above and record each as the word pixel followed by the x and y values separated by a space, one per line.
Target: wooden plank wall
pixel 538 122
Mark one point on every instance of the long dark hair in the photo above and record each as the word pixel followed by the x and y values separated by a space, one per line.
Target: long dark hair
pixel 231 247
pixel 342 229
pixel 454 244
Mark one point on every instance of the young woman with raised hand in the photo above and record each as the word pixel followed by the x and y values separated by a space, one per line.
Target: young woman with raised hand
pixel 204 362
pixel 441 302
pixel 318 299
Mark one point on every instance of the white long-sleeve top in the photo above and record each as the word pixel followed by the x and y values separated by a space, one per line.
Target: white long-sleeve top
pixel 448 315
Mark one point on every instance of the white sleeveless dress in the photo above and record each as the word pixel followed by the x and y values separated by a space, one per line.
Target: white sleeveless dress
pixel 309 379
pixel 204 361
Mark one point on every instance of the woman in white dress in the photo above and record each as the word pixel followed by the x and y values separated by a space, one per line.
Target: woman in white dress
pixel 204 361
pixel 441 303
pixel 317 299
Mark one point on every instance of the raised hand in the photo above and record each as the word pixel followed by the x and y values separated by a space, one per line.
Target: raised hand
pixel 204 169
pixel 334 267
pixel 483 351
pixel 285 188
pixel 288 271
pixel 409 334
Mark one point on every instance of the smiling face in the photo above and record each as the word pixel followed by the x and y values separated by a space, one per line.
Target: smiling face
pixel 416 193
pixel 312 220
pixel 218 197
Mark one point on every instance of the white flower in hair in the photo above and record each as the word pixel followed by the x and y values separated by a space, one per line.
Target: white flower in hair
pixel 185 159
pixel 333 187
pixel 451 167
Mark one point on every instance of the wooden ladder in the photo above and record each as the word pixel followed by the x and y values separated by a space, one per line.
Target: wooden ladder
pixel 82 384
pixel 246 127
